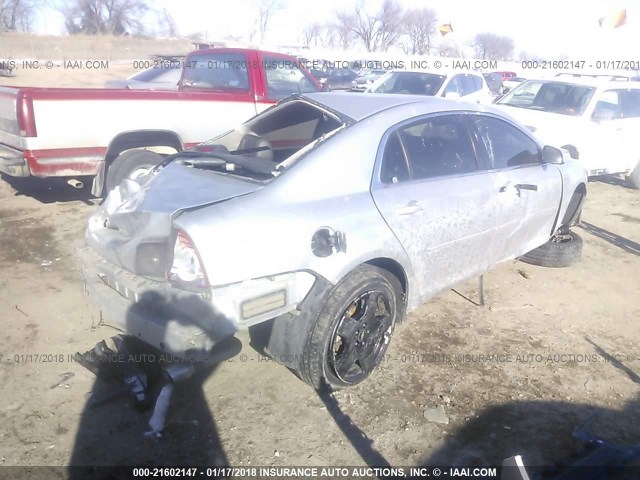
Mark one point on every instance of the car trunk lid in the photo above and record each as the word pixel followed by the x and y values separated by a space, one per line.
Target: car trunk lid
pixel 135 221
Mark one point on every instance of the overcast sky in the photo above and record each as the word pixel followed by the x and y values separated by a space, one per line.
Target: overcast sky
pixel 547 28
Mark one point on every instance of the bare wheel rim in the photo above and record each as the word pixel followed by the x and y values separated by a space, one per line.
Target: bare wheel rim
pixel 361 336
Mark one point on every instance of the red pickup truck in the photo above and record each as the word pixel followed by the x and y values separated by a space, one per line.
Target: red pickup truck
pixel 115 134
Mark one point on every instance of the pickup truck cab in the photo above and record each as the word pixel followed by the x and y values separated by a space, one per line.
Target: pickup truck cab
pixel 113 134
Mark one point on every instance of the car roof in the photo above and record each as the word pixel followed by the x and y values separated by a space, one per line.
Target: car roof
pixel 359 106
pixel 444 73
pixel 588 81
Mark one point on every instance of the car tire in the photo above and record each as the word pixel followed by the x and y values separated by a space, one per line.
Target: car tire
pixel 633 180
pixel 560 251
pixel 128 165
pixel 348 340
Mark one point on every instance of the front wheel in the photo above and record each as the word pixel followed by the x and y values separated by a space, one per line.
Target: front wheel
pixel 352 333
pixel 131 164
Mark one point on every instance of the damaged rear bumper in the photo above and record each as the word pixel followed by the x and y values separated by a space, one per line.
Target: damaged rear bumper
pixel 179 321
pixel 168 318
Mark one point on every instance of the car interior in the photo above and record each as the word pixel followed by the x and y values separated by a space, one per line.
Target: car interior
pixel 438 147
pixel 279 133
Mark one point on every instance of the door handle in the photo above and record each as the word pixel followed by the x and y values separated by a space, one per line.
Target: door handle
pixel 526 186
pixel 412 207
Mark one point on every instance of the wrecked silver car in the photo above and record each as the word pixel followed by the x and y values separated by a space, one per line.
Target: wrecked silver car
pixel 330 215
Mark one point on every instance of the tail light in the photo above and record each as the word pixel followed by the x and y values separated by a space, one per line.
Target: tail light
pixel 26 119
pixel 186 270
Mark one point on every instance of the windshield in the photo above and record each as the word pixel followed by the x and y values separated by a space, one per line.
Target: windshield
pixel 259 148
pixel 415 83
pixel 554 97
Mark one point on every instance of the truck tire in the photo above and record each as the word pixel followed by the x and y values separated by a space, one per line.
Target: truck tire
pixel 352 332
pixel 561 251
pixel 634 178
pixel 130 164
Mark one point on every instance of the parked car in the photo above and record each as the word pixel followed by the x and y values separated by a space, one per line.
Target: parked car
pixel 494 82
pixel 365 80
pixel 293 218
pixel 454 85
pixel 598 121
pixel 506 75
pixel 339 79
pixel 112 134
pixel 512 83
pixel 162 77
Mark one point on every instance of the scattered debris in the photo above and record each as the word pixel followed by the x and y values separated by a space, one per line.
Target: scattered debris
pixel 65 376
pixel 160 411
pixel 437 415
pixel 276 453
pixel 21 311
pixel 523 274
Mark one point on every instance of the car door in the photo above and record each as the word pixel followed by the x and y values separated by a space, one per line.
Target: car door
pixel 283 77
pixel 614 142
pixel 436 200
pixel 528 191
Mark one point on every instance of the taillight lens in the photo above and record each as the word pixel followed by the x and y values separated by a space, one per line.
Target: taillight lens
pixel 186 270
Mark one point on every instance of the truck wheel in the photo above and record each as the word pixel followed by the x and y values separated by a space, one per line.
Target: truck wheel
pixel 353 330
pixel 634 178
pixel 560 251
pixel 131 164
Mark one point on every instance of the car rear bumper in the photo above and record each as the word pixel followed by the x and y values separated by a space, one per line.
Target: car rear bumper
pixel 13 162
pixel 168 318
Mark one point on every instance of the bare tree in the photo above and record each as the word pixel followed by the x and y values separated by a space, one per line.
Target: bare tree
pixel 17 15
pixel 450 48
pixel 363 26
pixel 375 32
pixel 490 46
pixel 265 10
pixel 168 24
pixel 340 31
pixel 421 27
pixel 116 17
pixel 524 56
pixel 312 34
pixel 388 25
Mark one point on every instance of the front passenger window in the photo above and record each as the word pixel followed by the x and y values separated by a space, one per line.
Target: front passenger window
pixel 505 145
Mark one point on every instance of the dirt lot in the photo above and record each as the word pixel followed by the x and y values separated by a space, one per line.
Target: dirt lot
pixel 550 348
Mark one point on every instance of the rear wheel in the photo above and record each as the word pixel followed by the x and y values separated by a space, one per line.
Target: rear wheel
pixel 352 333
pixel 131 164
pixel 561 251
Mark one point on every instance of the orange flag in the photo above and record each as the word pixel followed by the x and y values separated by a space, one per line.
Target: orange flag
pixel 614 20
pixel 445 28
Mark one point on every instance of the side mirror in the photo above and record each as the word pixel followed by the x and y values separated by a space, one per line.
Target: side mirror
pixel 452 96
pixel 552 155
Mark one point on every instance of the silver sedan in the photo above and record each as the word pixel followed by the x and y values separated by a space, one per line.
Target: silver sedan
pixel 330 216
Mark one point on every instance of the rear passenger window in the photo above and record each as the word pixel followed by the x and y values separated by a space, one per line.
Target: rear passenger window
pixel 506 146
pixel 469 84
pixel 437 147
pixel 394 163
pixel 630 103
